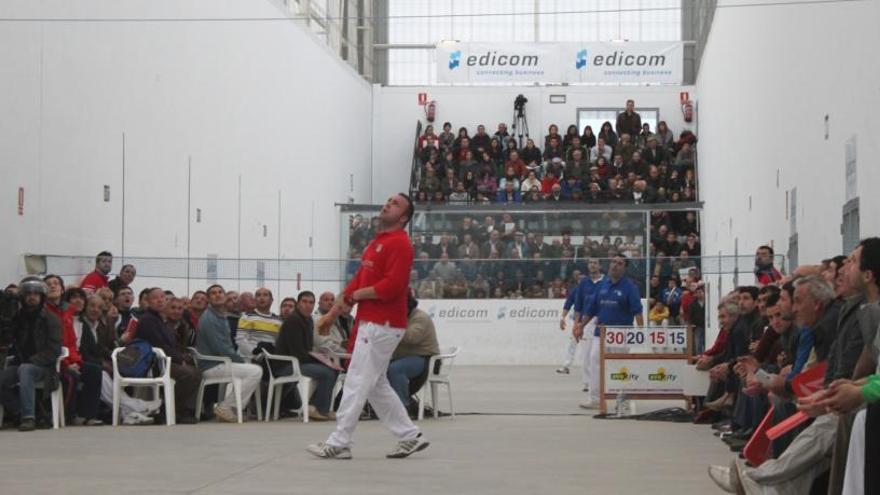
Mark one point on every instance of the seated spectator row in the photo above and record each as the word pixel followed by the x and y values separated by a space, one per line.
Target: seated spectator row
pixel 630 165
pixel 104 331
pixel 797 355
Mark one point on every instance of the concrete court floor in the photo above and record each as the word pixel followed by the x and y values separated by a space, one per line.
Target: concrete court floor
pixel 552 448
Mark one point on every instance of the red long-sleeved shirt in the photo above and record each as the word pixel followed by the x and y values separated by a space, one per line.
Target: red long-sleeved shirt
pixel 385 266
pixel 94 281
pixel 68 335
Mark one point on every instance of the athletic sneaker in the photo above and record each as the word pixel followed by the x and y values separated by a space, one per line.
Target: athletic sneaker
pixel 136 418
pixel 224 414
pixel 406 447
pixel 588 404
pixel 326 451
pixel 562 371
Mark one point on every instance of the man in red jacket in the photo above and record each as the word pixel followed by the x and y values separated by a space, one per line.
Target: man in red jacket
pixel 98 278
pixel 380 290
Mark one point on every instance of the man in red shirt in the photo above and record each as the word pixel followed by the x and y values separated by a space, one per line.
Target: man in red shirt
pixel 380 290
pixel 98 278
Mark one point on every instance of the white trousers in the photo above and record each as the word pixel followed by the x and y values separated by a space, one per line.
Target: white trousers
pixel 854 479
pixel 249 375
pixel 591 363
pixel 127 403
pixel 367 380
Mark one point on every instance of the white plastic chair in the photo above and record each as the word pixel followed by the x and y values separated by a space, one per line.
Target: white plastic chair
pixel 223 381
pixel 56 396
pixel 437 377
pixel 155 382
pixel 276 384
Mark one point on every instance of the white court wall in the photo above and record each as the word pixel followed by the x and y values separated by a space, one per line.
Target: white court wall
pixel 768 78
pixel 266 101
pixel 396 111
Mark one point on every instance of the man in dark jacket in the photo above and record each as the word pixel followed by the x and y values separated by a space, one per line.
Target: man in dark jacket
pixel 296 339
pixel 152 329
pixel 36 335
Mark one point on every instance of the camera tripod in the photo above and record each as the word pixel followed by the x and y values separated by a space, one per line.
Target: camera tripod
pixel 520 121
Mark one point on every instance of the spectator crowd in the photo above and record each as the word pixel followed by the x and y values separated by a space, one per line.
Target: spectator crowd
pixel 627 162
pixel 506 256
pixel 799 353
pixel 105 328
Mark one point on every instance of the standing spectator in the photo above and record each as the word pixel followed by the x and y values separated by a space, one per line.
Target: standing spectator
pixel 697 319
pixel 151 328
pixel 124 279
pixel 629 121
pixel 98 278
pixel 215 340
pixel 36 337
pixel 765 272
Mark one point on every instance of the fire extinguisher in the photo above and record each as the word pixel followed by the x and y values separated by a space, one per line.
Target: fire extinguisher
pixel 687 110
pixel 431 110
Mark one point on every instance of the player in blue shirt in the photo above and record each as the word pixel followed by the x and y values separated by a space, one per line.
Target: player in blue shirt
pixel 615 301
pixel 584 293
pixel 572 344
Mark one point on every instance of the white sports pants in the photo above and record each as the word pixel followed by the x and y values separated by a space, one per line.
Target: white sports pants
pixel 249 374
pixel 367 380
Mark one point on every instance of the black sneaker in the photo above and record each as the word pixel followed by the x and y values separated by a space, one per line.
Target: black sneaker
pixel 27 424
pixel 407 447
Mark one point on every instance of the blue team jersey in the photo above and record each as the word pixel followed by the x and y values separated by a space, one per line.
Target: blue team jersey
pixel 585 290
pixel 615 303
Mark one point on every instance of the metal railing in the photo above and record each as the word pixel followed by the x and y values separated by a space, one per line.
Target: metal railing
pixel 518 273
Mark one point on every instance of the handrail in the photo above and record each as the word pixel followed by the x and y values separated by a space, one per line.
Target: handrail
pixel 415 172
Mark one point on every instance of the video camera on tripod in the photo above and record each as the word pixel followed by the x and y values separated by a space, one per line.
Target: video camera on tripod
pixel 519 118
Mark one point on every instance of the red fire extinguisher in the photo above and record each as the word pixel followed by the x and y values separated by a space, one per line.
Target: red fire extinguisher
pixel 687 111
pixel 431 110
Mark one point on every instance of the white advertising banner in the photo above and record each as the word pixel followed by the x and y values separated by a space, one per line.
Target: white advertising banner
pixel 645 376
pixel 501 331
pixel 588 62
